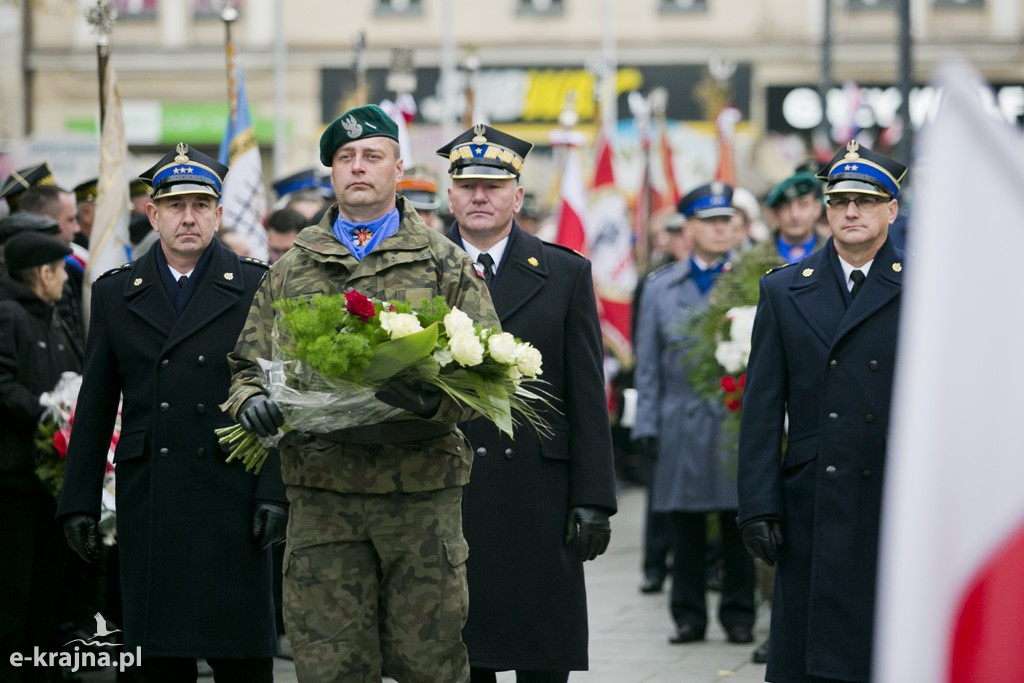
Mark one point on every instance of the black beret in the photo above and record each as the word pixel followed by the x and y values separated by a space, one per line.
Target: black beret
pixel 30 249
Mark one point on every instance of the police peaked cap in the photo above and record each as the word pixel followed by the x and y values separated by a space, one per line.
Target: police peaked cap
pixel 797 185
pixel 707 201
pixel 33 248
pixel 22 179
pixel 185 171
pixel 857 169
pixel 86 192
pixel 485 152
pixel 358 123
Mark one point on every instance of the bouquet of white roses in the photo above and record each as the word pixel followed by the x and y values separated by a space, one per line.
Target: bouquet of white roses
pixel 334 351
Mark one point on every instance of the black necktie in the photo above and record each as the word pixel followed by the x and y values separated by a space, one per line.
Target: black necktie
pixel 858 279
pixel 182 300
pixel 485 260
pixel 182 280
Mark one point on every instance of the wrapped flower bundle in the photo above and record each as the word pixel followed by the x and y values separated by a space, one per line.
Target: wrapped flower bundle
pixel 333 352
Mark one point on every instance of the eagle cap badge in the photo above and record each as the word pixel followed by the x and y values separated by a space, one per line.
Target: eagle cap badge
pixel 352 127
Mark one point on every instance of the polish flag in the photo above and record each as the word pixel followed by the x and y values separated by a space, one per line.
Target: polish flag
pixel 572 200
pixel 664 189
pixel 951 574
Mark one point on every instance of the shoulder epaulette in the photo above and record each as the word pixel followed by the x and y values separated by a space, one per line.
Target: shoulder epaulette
pixel 254 261
pixel 124 266
pixel 659 271
pixel 565 248
pixel 779 267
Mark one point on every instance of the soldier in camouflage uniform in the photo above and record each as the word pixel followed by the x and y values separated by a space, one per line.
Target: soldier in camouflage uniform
pixel 374 568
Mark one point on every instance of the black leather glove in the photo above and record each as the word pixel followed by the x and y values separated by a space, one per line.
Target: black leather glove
pixel 419 398
pixel 260 415
pixel 647 447
pixel 83 535
pixel 591 526
pixel 269 524
pixel 762 537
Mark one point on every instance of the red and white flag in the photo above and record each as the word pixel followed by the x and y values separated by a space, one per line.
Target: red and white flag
pixel 664 189
pixel 726 124
pixel 572 200
pixel 951 575
pixel 611 254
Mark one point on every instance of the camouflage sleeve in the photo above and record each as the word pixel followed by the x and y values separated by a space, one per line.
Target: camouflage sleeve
pixel 253 343
pixel 464 289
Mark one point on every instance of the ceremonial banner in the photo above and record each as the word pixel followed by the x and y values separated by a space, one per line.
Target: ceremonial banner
pixel 572 194
pixel 951 603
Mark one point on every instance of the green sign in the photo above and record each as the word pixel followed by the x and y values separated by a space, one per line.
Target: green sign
pixel 200 123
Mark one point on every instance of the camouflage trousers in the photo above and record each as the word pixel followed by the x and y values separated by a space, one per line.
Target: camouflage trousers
pixel 374 580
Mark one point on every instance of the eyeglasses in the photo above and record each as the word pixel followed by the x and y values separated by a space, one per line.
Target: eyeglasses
pixel 864 201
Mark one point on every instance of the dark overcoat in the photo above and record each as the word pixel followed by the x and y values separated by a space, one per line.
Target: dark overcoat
pixel 527 598
pixel 194 582
pixel 828 359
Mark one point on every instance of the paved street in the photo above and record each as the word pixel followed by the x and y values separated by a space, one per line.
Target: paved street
pixel 629 630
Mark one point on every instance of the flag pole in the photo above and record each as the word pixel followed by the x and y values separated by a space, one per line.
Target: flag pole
pixel 101 18
pixel 228 15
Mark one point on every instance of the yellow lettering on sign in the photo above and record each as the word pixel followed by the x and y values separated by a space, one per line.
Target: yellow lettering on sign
pixel 547 89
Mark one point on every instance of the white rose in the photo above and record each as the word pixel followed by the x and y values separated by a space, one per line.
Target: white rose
pixel 730 355
pixel 741 329
pixel 457 322
pixel 528 360
pixel 502 348
pixel 399 325
pixel 466 349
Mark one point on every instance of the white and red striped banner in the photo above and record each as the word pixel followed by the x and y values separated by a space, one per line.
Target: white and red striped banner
pixel 572 202
pixel 951 578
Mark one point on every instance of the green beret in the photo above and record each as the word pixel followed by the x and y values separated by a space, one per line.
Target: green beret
pixel 367 121
pixel 796 185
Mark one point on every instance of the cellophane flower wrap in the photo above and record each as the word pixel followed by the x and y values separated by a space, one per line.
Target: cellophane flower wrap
pixel 53 434
pixel 721 335
pixel 333 352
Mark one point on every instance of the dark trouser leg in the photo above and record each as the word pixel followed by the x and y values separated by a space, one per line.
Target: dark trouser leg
pixel 541 676
pixel 250 670
pixel 478 675
pixel 737 605
pixel 167 670
pixel 688 604
pixel 657 536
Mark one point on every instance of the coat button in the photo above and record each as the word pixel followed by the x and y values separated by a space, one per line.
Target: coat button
pixel 831 469
pixel 872 365
pixel 164 452
pixel 200 408
pixel 508 453
pixel 481 451
pixel 832 364
pixel 201 360
pixel 866 474
pixel 164 363
pixel 201 452
pixel 164 407
pixel 832 417
pixel 869 418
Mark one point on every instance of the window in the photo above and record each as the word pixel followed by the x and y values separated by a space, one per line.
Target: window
pixel 135 8
pixel 946 4
pixel 683 6
pixel 211 9
pixel 399 7
pixel 870 4
pixel 541 7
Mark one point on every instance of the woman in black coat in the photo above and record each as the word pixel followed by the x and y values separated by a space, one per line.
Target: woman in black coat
pixel 35 348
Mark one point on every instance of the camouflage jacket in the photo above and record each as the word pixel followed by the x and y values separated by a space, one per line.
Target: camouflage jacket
pixel 414 264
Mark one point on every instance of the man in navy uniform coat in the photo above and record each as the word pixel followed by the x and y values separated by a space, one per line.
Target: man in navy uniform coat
pixel 824 346
pixel 536 507
pixel 194 531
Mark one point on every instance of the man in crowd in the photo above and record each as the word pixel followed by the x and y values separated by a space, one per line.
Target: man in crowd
pixel 85 197
pixel 421 191
pixel 823 357
pixel 374 567
pixel 282 226
pixel 537 506
pixel 796 204
pixel 21 180
pixel 193 530
pixel 691 477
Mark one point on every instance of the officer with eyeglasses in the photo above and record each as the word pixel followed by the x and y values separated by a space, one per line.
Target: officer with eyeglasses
pixel 823 354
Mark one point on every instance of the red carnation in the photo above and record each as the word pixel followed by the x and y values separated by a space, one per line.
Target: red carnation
pixel 729 384
pixel 358 305
pixel 60 442
pixel 733 404
pixel 743 381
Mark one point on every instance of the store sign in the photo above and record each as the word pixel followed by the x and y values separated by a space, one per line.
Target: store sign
pixel 150 122
pixel 520 94
pixel 798 108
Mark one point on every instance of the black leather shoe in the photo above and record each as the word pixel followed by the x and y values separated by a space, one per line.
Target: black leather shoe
pixel 739 634
pixel 761 653
pixel 651 584
pixel 686 634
